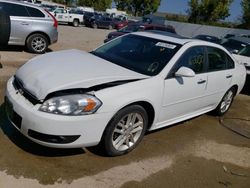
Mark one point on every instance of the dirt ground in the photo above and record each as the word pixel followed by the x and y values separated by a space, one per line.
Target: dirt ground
pixel 195 153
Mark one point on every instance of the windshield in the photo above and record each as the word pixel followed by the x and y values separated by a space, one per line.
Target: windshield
pixel 233 44
pixel 245 51
pixel 141 54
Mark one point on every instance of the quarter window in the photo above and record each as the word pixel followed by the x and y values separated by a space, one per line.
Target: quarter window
pixel 33 12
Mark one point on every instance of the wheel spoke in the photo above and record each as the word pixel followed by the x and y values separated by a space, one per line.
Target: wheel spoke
pixel 127 141
pixel 133 119
pixel 118 139
pixel 137 129
pixel 138 124
pixel 121 141
pixel 132 138
pixel 120 131
pixel 129 118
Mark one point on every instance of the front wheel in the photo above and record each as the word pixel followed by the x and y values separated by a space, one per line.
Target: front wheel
pixel 225 103
pixel 37 43
pixel 125 131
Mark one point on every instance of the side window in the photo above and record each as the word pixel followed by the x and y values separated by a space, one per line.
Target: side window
pixel 193 58
pixel 59 11
pixel 217 59
pixel 33 12
pixel 15 10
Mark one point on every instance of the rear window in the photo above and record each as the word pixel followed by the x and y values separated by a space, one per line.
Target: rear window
pixel 33 12
pixel 15 10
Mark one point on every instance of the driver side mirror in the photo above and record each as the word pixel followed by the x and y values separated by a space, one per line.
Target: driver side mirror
pixel 185 72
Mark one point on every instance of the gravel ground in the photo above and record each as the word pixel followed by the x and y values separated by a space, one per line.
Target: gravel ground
pixel 196 153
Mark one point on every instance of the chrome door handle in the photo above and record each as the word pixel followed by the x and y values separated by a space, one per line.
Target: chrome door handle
pixel 201 82
pixel 229 76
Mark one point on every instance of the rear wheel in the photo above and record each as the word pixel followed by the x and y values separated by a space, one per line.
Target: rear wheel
pixel 94 25
pixel 37 43
pixel 110 27
pixel 76 23
pixel 125 131
pixel 226 102
pixel 5 28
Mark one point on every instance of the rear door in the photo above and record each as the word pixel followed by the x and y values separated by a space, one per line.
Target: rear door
pixel 220 73
pixel 21 23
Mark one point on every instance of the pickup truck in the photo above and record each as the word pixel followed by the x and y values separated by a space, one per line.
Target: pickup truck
pixel 67 16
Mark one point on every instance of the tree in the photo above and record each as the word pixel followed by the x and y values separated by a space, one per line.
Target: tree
pixel 205 11
pixel 246 13
pixel 97 4
pixel 138 7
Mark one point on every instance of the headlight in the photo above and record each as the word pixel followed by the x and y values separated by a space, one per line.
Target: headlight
pixel 72 105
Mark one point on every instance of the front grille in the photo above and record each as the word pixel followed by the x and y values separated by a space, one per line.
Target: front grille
pixel 56 139
pixel 18 85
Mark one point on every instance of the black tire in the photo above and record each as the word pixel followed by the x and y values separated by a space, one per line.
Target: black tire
pixel 4 28
pixel 76 23
pixel 110 136
pixel 34 46
pixel 226 101
pixel 110 27
pixel 94 25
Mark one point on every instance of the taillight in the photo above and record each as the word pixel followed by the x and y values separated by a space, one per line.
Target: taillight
pixel 54 19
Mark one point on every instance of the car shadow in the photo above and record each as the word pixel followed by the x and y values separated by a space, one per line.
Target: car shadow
pixel 246 88
pixel 13 48
pixel 29 146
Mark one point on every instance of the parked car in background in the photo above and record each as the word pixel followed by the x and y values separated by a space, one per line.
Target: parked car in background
pixel 86 18
pixel 208 38
pixel 68 17
pixel 111 96
pixel 120 22
pixel 31 26
pixel 244 57
pixel 235 44
pixel 102 22
pixel 134 27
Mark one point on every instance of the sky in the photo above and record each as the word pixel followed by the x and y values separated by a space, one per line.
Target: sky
pixel 181 6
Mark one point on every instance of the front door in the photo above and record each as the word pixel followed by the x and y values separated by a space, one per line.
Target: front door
pixel 184 96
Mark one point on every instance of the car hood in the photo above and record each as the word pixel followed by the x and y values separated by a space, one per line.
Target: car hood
pixel 69 69
pixel 242 59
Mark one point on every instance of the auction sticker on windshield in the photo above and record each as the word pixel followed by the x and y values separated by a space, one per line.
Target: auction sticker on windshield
pixel 165 45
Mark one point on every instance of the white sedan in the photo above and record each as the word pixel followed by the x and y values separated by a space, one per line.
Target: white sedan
pixel 111 96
